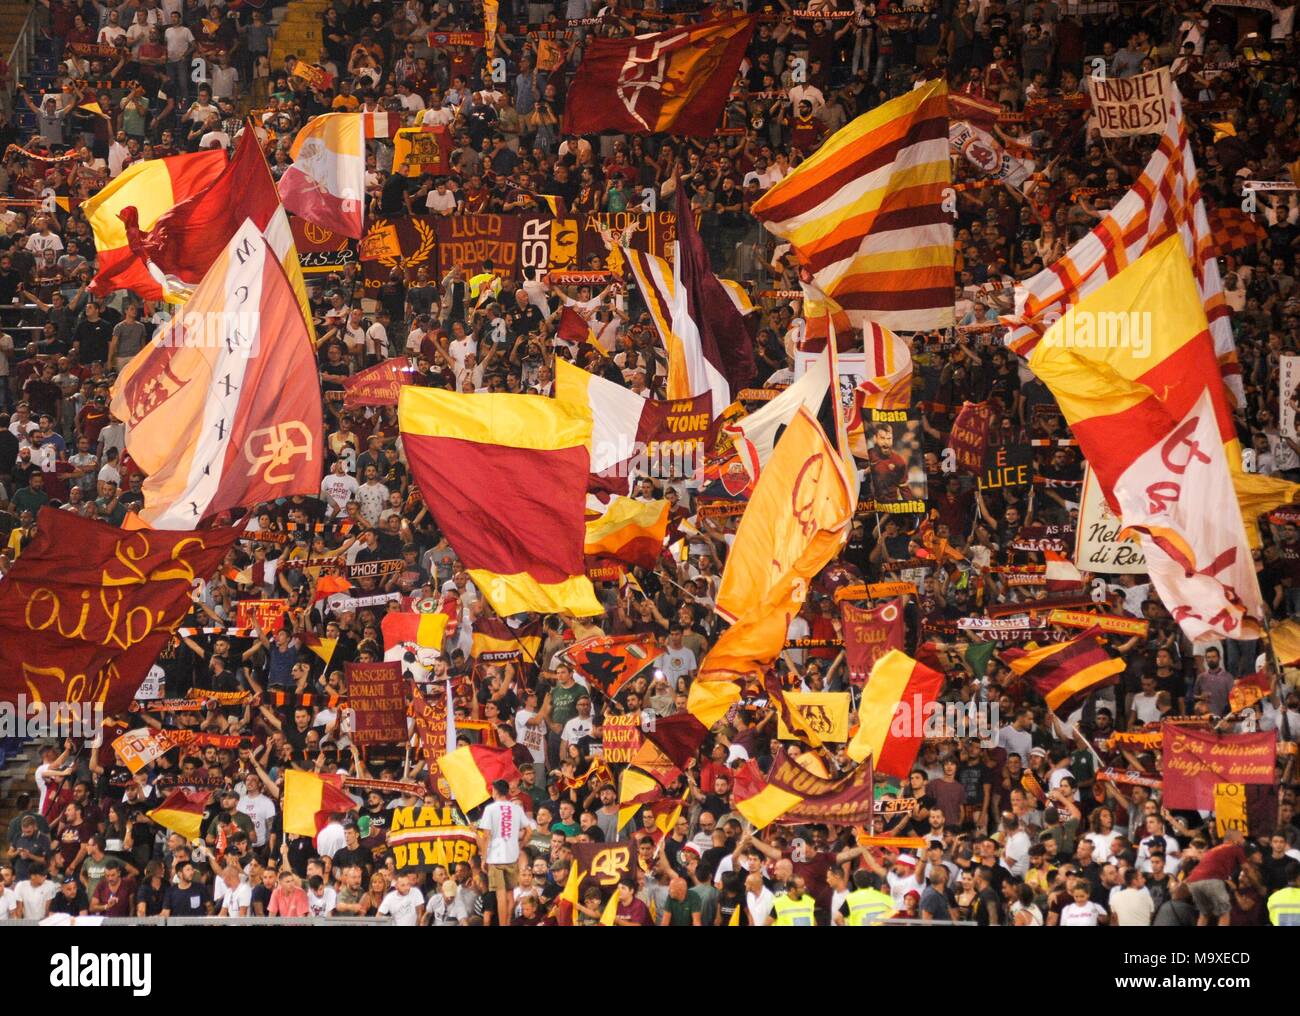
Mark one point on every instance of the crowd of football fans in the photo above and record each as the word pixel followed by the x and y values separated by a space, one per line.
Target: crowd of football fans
pixel 1086 852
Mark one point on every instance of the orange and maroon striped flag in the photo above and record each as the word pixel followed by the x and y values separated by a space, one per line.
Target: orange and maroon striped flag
pixel 897 684
pixel 866 214
pixel 629 530
pixel 1066 673
pixel 505 477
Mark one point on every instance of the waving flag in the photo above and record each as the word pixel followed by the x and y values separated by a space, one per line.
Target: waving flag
pixel 796 521
pixel 1165 201
pixel 505 478
pixel 470 772
pixel 66 601
pixel 310 799
pixel 326 184
pixel 1066 673
pixel 182 812
pixel 223 408
pixel 629 530
pixel 152 188
pixel 1133 369
pixel 898 685
pixel 704 329
pixel 185 241
pixel 608 662
pixel 671 82
pixel 865 214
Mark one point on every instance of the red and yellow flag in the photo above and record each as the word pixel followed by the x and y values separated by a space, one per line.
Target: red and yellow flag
pixel 866 214
pixel 471 770
pixel 889 734
pixel 152 188
pixel 326 184
pixel 1066 673
pixel 182 812
pixel 505 477
pixel 630 530
pixel 198 419
pixel 310 799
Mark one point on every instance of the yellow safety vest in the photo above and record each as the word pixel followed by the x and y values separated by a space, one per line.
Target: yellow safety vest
pixel 794 913
pixel 1284 907
pixel 868 906
pixel 477 283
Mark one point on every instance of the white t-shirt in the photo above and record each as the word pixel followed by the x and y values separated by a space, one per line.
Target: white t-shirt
pixel 337 489
pixel 1132 908
pixel 324 904
pixel 502 820
pixel 35 899
pixel 1019 741
pixel 236 899
pixel 8 904
pixel 377 340
pixel 1084 915
pixel 676 663
pixel 440 201
pixel 760 905
pixel 178 39
pixel 43 784
pixel 577 728
pixel 261 810
pixel 402 909
pixel 330 841
pixel 532 738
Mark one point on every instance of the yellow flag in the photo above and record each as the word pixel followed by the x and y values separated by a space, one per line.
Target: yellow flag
pixel 610 913
pixel 795 523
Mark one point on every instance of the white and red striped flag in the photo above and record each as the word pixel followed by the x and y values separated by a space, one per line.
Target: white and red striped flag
pixel 1166 199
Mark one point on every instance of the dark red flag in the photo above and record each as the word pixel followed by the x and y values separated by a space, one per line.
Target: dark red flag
pixel 87 607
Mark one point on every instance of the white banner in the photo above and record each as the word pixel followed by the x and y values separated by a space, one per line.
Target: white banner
pixel 1179 495
pixel 1288 383
pixel 1136 105
pixel 1097 546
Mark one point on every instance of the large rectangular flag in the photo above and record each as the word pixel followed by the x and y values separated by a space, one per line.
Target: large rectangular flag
pixel 1066 673
pixel 1134 372
pixel 184 242
pixel 310 799
pixel 671 82
pixel 1165 201
pixel 181 811
pixel 608 662
pixel 892 713
pixel 505 477
pixel 223 408
pixel 326 184
pixel 87 607
pixel 152 188
pixel 865 213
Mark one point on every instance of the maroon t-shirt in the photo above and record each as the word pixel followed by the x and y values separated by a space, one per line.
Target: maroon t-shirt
pixel 1219 862
pixel 119 901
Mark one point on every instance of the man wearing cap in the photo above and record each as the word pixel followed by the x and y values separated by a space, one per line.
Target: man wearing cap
pixel 229 816
pixel 71 898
